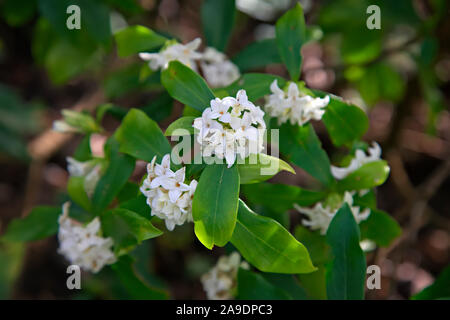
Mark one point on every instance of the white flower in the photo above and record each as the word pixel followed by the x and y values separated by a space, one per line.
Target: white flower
pixel 82 245
pixel 293 105
pixel 169 197
pixel 230 127
pixel 64 127
pixel 185 53
pixel 359 160
pixel 319 217
pixel 217 69
pixel 90 170
pixel 221 279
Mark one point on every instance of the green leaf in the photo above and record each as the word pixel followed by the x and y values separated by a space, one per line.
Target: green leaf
pixel 257 54
pixel 381 82
pixel 440 289
pixel 380 227
pixel 302 147
pixel 215 205
pixel 315 243
pixel 11 265
pixel 186 86
pixel 160 108
pixel 256 85
pixel 127 228
pixel 83 151
pixel 128 192
pixel 288 283
pixel 347 272
pixel 345 122
pixel 138 205
pixel 315 283
pixel 135 39
pixel 218 19
pixel 134 283
pixel 253 286
pixel 77 192
pixel 265 167
pixel 291 35
pixel 184 123
pixel 280 197
pixel 140 137
pixel 42 222
pixel 361 46
pixel 128 80
pixel 369 175
pixel 268 246
pixel 120 168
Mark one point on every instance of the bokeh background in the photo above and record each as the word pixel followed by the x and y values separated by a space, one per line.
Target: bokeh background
pixel 400 75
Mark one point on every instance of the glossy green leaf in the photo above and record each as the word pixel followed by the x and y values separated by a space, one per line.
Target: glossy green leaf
pixel 265 167
pixel 280 197
pixel 291 35
pixel 268 246
pixel 380 227
pixel 42 222
pixel 345 122
pixel 183 125
pixel 302 147
pixel 253 286
pixel 186 86
pixel 135 285
pixel 257 55
pixel 140 137
pixel 215 205
pixel 256 85
pixel 218 20
pixel 127 228
pixel 369 175
pixel 136 39
pixel 346 273
pixel 440 289
pixel 119 169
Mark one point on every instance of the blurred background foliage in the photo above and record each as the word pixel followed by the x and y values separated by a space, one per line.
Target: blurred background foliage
pixel 399 75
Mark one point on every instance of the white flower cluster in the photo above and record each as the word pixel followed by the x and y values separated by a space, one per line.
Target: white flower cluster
pixel 359 160
pixel 320 217
pixel 293 105
pixel 221 280
pixel 90 170
pixel 231 127
pixel 82 245
pixel 216 68
pixel 167 195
